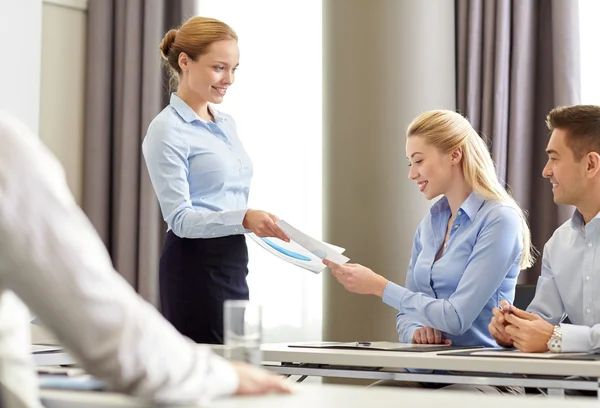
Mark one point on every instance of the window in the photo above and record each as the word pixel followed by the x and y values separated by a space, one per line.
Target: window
pixel 589 10
pixel 276 102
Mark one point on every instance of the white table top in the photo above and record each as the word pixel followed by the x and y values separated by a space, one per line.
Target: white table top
pixel 428 360
pixel 327 396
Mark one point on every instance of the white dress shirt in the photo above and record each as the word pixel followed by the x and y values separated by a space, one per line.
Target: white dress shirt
pixel 52 259
pixel 570 283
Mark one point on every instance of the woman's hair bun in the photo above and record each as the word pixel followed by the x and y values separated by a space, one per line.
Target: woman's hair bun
pixel 167 42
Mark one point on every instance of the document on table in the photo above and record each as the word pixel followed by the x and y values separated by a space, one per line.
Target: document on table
pixel 517 353
pixel 378 345
pixel 58 370
pixel 64 382
pixel 44 348
pixel 302 250
pixel 513 353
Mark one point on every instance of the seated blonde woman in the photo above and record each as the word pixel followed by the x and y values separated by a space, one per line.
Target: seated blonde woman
pixel 469 249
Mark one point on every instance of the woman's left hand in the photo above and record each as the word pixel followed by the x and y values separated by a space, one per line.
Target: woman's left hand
pixel 358 279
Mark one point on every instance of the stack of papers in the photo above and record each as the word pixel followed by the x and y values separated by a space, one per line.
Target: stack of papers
pixel 302 250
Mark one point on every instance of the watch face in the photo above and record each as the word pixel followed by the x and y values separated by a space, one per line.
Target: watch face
pixel 555 342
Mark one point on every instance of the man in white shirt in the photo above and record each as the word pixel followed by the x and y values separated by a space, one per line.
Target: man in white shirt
pixel 570 281
pixel 52 260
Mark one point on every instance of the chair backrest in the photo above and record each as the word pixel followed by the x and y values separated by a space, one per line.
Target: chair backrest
pixel 524 294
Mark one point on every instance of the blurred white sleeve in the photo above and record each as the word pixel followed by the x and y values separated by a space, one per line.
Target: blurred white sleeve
pixel 52 258
pixel 18 382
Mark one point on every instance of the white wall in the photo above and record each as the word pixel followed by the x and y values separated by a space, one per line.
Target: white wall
pixel 63 85
pixel 589 10
pixel 42 74
pixel 20 30
pixel 61 95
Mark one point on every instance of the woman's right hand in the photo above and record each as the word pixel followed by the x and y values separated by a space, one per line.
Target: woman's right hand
pixel 497 326
pixel 263 225
pixel 429 335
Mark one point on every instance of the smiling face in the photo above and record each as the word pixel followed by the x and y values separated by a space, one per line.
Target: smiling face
pixel 213 72
pixel 567 175
pixel 431 169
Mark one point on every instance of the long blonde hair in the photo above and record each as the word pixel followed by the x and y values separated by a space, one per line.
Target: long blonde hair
pixel 448 131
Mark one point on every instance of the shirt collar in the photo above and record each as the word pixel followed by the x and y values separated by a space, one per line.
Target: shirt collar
pixel 440 206
pixel 188 113
pixel 577 222
pixel 470 206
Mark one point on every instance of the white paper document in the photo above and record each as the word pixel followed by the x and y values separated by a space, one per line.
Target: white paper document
pixel 369 345
pixel 302 250
pixel 517 353
pixel 44 348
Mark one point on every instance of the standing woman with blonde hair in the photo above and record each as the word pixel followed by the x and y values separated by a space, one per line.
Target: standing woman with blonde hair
pixel 469 249
pixel 201 175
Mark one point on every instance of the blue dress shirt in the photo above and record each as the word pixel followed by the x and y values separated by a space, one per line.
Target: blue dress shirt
pixel 570 284
pixel 199 170
pixel 479 267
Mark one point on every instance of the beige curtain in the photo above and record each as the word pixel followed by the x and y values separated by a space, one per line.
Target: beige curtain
pixel 125 89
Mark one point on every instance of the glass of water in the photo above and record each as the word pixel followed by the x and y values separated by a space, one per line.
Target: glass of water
pixel 242 328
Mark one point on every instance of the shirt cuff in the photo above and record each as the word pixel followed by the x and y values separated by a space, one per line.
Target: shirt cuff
pixel 407 335
pixel 235 220
pixel 223 379
pixel 393 295
pixel 575 338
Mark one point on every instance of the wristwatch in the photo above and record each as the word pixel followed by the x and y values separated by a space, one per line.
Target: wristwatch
pixel 554 343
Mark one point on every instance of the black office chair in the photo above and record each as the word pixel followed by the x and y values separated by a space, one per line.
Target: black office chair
pixel 524 294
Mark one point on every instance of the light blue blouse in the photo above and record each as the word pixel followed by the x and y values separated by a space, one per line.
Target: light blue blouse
pixel 199 170
pixel 479 267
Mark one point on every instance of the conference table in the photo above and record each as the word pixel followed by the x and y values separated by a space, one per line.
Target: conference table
pixel 447 367
pixel 444 367
pixel 324 396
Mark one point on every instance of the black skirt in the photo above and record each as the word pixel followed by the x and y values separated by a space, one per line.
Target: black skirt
pixel 196 277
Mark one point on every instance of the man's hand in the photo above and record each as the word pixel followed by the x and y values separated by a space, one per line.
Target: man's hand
pixel 497 326
pixel 358 279
pixel 263 225
pixel 429 335
pixel 255 381
pixel 529 332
